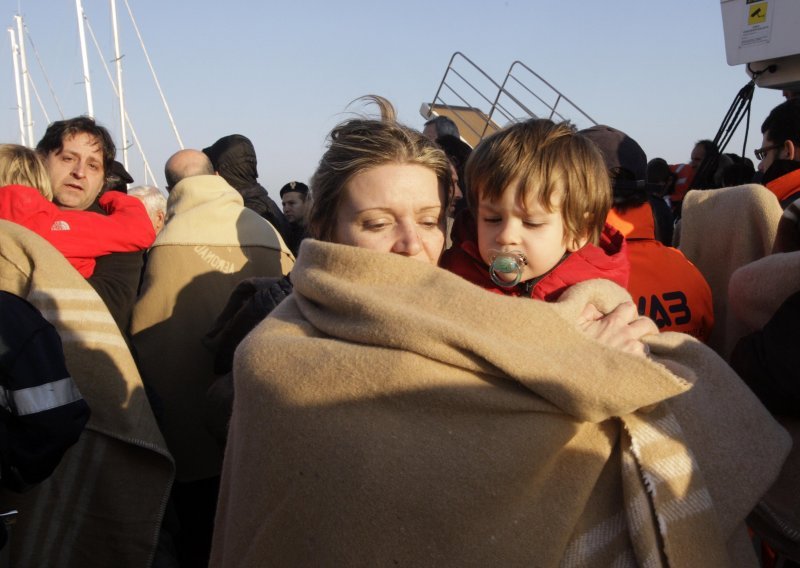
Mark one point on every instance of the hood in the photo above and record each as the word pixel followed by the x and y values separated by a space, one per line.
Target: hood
pixel 234 158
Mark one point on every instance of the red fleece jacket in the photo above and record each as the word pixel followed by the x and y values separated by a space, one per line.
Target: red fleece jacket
pixel 81 236
pixel 609 260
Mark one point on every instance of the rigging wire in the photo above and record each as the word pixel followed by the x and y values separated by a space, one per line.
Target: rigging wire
pixel 44 72
pixel 148 171
pixel 740 107
pixel 155 78
pixel 746 130
pixel 39 99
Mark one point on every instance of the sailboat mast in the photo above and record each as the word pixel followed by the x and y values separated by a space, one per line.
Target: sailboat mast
pixel 25 79
pixel 86 79
pixel 118 60
pixel 15 56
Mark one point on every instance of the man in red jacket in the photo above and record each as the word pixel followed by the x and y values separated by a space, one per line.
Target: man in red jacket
pixel 78 154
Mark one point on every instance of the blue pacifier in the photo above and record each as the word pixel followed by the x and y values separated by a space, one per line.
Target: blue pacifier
pixel 506 267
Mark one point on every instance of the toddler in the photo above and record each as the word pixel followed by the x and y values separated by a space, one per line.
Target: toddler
pixel 538 195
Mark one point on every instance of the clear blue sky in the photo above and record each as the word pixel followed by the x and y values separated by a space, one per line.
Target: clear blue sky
pixel 282 73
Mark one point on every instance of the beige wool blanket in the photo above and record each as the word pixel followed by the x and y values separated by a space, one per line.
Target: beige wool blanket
pixel 389 413
pixel 722 230
pixel 104 503
pixel 756 290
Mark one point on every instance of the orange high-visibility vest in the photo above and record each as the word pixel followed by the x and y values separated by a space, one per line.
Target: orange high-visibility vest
pixel 684 174
pixel 665 286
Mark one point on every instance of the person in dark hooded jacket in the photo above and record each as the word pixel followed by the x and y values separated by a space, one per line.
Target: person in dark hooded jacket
pixel 234 158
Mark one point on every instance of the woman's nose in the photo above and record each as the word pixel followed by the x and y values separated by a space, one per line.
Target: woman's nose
pixel 407 242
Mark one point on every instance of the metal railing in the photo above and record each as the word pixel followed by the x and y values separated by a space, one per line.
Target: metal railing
pixel 480 104
pixel 548 108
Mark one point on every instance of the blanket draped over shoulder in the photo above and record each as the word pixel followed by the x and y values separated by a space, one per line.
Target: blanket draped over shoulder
pixel 722 230
pixel 389 413
pixel 756 292
pixel 104 503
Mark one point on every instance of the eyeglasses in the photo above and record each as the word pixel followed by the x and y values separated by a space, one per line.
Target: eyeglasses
pixel 761 153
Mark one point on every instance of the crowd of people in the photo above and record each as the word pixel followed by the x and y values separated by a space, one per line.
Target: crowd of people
pixel 202 377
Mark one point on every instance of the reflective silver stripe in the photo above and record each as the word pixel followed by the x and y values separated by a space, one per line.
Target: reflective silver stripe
pixel 45 397
pixel 47 295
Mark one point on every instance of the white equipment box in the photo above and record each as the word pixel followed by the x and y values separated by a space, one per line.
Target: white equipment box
pixel 760 33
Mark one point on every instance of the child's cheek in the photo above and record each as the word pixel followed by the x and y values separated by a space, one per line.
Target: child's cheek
pixel 483 247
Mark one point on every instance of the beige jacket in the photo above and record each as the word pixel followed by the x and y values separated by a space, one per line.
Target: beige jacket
pixel 209 243
pixel 104 504
pixel 722 230
pixel 389 413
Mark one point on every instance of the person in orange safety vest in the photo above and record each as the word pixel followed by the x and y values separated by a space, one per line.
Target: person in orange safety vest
pixel 663 283
pixel 779 155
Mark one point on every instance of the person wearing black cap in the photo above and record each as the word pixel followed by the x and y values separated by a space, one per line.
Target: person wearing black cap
pixel 664 284
pixel 234 158
pixel 118 178
pixel 296 203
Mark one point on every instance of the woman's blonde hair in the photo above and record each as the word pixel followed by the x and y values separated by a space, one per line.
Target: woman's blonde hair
pixel 360 144
pixel 546 161
pixel 22 166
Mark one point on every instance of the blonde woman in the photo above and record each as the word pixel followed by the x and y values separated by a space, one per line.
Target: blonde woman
pixel 390 413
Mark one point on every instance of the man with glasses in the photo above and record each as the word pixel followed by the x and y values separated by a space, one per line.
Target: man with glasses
pixel 779 154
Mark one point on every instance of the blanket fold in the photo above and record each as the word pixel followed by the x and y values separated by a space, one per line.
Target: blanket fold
pixel 104 503
pixel 390 413
pixel 720 231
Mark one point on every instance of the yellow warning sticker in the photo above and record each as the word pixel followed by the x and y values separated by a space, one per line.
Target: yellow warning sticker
pixel 757 13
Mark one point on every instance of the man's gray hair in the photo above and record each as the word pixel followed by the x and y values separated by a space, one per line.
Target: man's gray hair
pixel 152 197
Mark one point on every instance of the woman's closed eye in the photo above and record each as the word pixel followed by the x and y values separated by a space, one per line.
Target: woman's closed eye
pixel 376 224
pixel 429 222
